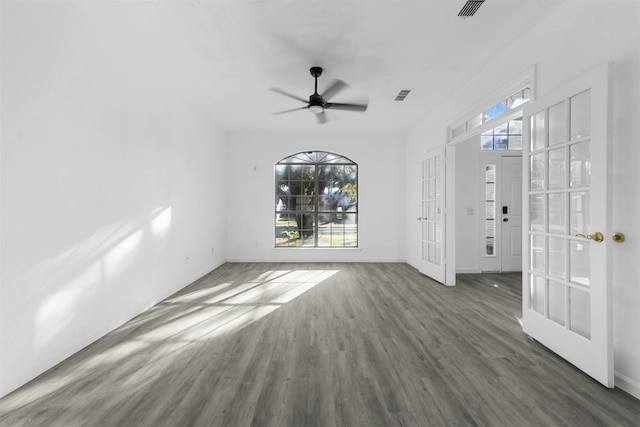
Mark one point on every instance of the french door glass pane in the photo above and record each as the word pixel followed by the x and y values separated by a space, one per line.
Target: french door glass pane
pixel 537 293
pixel 580 164
pixel 556 213
pixel 579 212
pixel 556 169
pixel 580 312
pixel 537 253
pixel 579 259
pixel 537 171
pixel 556 302
pixel 557 124
pixel 556 257
pixel 537 131
pixel 581 115
pixel 536 214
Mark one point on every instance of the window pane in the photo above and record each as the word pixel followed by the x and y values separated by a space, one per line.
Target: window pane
pixel 515 142
pixel 486 142
pixel 518 98
pixel 515 127
pixel 501 142
pixel 458 130
pixel 501 130
pixel 474 122
pixel 494 111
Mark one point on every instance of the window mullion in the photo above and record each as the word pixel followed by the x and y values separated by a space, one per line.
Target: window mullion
pixel 316 206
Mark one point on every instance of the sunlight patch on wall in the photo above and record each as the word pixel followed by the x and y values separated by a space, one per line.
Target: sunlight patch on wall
pixel 75 276
pixel 161 223
pixel 57 311
pixel 121 256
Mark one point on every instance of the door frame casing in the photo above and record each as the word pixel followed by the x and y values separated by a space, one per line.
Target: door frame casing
pixel 527 78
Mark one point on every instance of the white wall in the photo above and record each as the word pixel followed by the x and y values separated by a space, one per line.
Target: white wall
pixel 104 179
pixel 568 43
pixel 250 201
pixel 467 196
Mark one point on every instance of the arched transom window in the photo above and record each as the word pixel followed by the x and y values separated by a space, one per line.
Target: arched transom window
pixel 316 201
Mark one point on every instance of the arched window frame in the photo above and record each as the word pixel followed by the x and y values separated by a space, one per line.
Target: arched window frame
pixel 316 201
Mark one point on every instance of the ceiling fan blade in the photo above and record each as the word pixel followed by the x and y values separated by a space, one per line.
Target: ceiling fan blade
pixel 282 92
pixel 321 118
pixel 291 110
pixel 346 107
pixel 334 89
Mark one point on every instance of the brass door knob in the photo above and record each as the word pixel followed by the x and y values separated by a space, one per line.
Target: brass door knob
pixel 618 237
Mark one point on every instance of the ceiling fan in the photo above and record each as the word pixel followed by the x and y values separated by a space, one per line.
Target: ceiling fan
pixel 317 103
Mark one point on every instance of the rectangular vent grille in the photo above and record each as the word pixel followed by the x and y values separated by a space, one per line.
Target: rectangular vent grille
pixel 470 8
pixel 402 95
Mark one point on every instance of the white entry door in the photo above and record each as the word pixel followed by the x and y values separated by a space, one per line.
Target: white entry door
pixel 501 215
pixel 566 284
pixel 432 217
pixel 511 214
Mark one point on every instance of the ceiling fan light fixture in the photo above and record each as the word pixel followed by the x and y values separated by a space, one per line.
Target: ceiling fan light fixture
pixel 316 109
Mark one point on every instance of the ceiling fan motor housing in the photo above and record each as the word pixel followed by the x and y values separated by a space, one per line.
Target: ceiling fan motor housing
pixel 316 99
pixel 316 71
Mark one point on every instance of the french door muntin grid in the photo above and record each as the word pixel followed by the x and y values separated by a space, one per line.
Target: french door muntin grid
pixel 316 214
pixel 555 285
pixel 431 209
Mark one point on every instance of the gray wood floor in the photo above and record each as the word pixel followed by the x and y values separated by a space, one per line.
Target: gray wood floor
pixel 326 345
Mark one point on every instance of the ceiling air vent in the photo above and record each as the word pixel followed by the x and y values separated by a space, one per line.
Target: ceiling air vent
pixel 470 8
pixel 402 94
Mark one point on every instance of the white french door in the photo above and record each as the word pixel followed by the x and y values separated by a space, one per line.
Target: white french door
pixel 566 280
pixel 432 217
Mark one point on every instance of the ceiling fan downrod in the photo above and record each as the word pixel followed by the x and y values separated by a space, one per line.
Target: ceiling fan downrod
pixel 316 102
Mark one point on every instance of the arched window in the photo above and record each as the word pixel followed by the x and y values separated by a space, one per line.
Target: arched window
pixel 316 201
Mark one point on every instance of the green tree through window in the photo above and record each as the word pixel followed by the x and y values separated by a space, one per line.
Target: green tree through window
pixel 316 201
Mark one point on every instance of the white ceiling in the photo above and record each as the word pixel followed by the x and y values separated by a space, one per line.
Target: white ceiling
pixel 223 56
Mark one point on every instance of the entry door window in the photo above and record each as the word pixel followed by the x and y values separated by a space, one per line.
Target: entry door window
pixel 490 209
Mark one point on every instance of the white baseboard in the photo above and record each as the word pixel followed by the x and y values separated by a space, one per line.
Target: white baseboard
pixel 627 384
pixel 317 260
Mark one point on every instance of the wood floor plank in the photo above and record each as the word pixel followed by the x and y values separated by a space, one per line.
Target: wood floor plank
pixel 322 344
